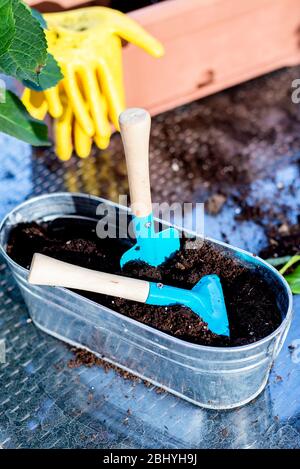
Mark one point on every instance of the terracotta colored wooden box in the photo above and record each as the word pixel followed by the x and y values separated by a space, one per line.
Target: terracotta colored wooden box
pixel 210 45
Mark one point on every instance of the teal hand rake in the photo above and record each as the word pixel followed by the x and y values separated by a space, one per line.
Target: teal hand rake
pixel 205 298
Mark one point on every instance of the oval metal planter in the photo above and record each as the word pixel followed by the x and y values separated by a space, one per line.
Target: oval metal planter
pixel 212 377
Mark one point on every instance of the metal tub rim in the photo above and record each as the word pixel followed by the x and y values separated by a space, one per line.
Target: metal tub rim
pixel 236 349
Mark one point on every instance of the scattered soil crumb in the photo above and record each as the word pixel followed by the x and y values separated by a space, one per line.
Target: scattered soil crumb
pixel 283 241
pixel 85 358
pixel 224 432
pixel 215 203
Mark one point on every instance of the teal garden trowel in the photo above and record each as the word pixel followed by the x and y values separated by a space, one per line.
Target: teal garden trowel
pixel 205 298
pixel 151 247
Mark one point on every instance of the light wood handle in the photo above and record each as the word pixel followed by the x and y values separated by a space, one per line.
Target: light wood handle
pixel 45 270
pixel 135 126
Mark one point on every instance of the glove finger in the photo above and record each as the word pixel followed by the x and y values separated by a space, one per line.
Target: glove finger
pixel 75 97
pixel 132 32
pixel 110 90
pixel 83 143
pixel 101 142
pixel 97 104
pixel 54 104
pixel 113 55
pixel 35 103
pixel 63 134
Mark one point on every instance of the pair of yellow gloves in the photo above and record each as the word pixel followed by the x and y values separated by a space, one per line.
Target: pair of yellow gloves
pixel 87 44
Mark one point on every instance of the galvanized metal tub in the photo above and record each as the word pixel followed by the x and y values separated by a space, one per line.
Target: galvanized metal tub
pixel 212 377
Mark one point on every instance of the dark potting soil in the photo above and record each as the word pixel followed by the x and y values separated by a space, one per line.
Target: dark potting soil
pixel 284 241
pixel 245 293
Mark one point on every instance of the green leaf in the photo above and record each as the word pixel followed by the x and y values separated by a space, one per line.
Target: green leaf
pixel 290 263
pixel 7 25
pixel 50 75
pixel 15 121
pixel 27 52
pixel 293 280
pixel 278 261
pixel 38 16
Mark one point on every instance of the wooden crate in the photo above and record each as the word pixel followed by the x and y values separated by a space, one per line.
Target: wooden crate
pixel 210 45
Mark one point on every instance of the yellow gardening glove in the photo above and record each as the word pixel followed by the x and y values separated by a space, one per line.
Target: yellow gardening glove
pixel 87 45
pixel 67 131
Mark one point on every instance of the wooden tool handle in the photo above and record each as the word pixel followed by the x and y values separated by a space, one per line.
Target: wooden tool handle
pixel 135 131
pixel 45 270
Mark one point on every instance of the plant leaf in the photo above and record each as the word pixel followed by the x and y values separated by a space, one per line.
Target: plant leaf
pixel 278 261
pixel 290 263
pixel 15 121
pixel 27 52
pixel 50 75
pixel 293 280
pixel 7 25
